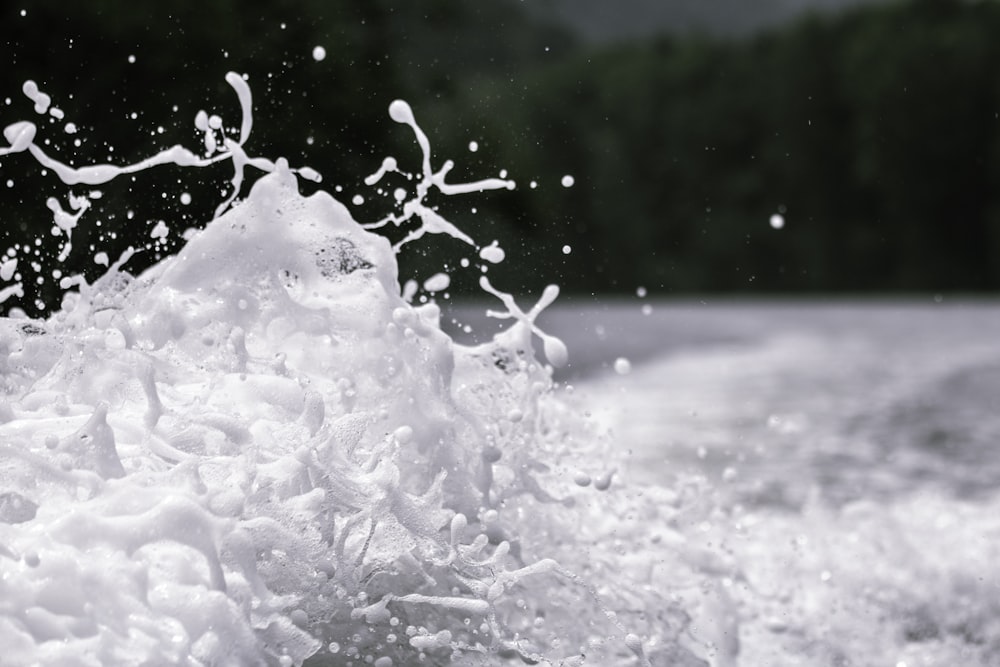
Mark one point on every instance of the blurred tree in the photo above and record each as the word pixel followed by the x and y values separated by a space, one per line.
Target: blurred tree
pixel 874 133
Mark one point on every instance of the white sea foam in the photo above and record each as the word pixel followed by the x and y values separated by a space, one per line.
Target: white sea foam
pixel 258 451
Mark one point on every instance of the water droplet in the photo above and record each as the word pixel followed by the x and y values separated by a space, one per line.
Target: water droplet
pixel 319 53
pixel 568 181
pixel 777 221
pixel 437 282
pixel 493 253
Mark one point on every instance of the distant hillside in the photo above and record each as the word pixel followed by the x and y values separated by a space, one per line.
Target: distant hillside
pixel 609 20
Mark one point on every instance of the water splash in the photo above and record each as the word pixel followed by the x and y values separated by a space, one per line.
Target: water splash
pixel 258 452
pixel 21 137
pixel 430 221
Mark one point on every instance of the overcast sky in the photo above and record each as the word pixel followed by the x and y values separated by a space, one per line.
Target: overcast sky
pixel 603 20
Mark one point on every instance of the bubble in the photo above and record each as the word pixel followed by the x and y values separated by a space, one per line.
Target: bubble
pixel 603 483
pixel 777 221
pixel 319 53
pixel 567 181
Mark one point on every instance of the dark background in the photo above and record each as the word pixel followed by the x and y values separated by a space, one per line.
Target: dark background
pixel 874 128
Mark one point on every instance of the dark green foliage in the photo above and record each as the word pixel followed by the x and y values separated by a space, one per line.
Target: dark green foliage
pixel 876 132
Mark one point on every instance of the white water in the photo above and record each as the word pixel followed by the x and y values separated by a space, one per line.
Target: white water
pixel 257 452
pixel 260 452
pixel 848 466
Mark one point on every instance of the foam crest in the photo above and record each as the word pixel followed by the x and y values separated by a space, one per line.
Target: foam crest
pixel 257 451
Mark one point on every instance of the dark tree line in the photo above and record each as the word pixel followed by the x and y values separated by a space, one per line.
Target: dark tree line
pixel 875 134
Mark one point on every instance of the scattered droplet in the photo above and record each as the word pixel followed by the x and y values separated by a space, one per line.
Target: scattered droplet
pixel 623 366
pixel 437 283
pixel 493 253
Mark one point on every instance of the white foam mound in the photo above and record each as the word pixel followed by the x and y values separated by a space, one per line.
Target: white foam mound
pixel 257 451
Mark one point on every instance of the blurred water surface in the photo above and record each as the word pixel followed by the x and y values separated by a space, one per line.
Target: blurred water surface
pixel 847 455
